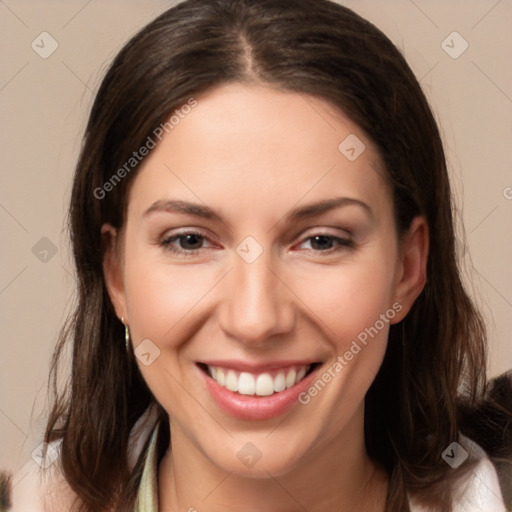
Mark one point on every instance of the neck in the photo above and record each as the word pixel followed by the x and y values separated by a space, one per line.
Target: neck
pixel 338 475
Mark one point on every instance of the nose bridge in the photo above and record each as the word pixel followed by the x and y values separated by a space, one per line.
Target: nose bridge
pixel 256 305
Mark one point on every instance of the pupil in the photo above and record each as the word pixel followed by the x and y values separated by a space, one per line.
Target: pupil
pixel 321 242
pixel 189 240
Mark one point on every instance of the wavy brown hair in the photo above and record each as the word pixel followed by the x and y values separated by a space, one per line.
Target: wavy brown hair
pixel 435 362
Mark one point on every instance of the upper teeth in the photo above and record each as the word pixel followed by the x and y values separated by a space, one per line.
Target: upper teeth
pixel 262 384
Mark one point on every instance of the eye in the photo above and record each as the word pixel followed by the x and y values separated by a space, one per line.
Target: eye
pixel 191 242
pixel 325 243
pixel 185 244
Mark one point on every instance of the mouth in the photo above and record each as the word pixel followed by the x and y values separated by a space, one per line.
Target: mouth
pixel 256 393
pixel 262 383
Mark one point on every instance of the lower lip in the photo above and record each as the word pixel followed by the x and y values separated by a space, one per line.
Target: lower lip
pixel 249 407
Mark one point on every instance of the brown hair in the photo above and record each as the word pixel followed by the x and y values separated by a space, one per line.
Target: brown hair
pixel 312 47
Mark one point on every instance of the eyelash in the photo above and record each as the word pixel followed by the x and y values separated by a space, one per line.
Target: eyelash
pixel 166 243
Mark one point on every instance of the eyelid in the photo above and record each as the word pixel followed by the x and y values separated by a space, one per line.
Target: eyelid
pixel 166 241
pixel 334 229
pixel 173 233
pixel 335 232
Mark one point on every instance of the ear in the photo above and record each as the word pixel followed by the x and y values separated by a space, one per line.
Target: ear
pixel 112 270
pixel 412 266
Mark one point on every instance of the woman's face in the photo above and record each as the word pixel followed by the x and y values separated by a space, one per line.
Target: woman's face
pixel 260 254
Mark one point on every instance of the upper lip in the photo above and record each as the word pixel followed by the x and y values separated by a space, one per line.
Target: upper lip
pixel 253 367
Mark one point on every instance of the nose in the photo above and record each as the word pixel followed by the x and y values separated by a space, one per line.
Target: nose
pixel 256 304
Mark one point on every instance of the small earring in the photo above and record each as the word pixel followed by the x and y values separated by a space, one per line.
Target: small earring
pixel 126 335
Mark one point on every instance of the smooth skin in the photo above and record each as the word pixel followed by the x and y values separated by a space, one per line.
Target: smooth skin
pixel 253 154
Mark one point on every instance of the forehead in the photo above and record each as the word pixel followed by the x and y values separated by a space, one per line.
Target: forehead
pixel 244 141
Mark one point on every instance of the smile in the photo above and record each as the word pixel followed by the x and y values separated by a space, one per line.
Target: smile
pixel 260 392
pixel 259 384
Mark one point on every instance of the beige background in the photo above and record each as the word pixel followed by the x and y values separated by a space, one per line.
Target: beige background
pixel 44 104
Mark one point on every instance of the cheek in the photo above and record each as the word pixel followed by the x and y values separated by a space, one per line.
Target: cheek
pixel 161 301
pixel 354 309
pixel 349 299
pixel 161 296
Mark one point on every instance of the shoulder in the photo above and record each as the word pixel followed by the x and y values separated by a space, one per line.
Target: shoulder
pixel 39 486
pixel 479 490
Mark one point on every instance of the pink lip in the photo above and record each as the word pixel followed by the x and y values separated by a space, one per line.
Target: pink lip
pixel 255 407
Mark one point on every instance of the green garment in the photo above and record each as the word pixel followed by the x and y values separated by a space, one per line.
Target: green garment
pixel 147 497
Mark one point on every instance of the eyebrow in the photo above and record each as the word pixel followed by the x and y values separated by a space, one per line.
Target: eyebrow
pixel 316 209
pixel 302 212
